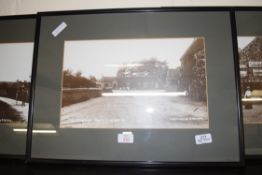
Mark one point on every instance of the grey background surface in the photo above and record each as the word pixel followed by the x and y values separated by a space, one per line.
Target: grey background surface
pixel 150 145
pixel 14 31
pixel 250 24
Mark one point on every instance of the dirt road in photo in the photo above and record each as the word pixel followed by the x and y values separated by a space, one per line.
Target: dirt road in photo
pixel 136 112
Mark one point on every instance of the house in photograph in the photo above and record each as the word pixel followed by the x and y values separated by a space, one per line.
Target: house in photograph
pixel 148 74
pixel 250 65
pixel 250 61
pixel 107 83
pixel 193 71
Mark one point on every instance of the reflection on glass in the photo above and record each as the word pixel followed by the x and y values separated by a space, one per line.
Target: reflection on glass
pixel 15 77
pixel 134 83
pixel 250 64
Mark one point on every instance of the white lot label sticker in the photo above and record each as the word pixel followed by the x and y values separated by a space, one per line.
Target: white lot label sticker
pixel 59 29
pixel 203 139
pixel 125 137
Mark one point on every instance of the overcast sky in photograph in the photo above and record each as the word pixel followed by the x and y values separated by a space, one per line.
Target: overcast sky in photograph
pixel 243 41
pixel 104 57
pixel 16 62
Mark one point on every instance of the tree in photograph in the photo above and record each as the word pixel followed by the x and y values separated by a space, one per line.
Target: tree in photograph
pixel 77 88
pixel 67 78
pixel 77 80
pixel 92 78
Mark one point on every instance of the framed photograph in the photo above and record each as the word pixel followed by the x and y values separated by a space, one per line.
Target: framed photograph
pixel 16 57
pixel 136 86
pixel 250 69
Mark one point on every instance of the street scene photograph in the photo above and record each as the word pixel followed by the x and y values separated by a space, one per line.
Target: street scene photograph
pixel 15 78
pixel 158 83
pixel 250 65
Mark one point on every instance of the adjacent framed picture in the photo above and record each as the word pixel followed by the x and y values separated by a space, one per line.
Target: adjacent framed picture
pixel 249 30
pixel 136 86
pixel 16 59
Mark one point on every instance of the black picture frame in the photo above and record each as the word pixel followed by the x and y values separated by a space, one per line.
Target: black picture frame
pixel 251 130
pixel 230 11
pixel 18 29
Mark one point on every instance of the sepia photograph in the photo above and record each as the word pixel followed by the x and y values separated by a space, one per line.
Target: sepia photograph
pixel 250 66
pixel 15 77
pixel 158 83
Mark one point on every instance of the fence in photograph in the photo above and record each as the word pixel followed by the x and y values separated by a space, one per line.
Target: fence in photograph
pixel 76 95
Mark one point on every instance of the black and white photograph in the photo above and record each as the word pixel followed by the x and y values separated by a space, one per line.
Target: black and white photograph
pixel 15 79
pixel 151 83
pixel 250 65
